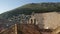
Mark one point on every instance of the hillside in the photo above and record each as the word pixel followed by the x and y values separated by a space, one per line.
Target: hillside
pixel 32 7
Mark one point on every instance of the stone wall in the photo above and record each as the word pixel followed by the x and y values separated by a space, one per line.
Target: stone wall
pixel 47 20
pixel 51 20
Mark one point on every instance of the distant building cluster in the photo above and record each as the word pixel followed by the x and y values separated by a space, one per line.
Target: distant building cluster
pixel 20 18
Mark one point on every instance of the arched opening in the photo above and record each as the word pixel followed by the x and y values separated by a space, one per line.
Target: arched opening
pixel 31 21
pixel 34 21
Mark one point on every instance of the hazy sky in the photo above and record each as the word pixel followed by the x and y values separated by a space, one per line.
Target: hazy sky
pixel 6 5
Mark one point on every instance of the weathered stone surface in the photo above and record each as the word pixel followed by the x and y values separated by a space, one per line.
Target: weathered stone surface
pixel 56 31
pixel 28 29
pixel 49 20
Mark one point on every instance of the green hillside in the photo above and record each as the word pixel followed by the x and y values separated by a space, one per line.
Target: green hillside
pixel 32 7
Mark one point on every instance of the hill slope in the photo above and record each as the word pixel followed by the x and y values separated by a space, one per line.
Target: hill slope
pixel 32 7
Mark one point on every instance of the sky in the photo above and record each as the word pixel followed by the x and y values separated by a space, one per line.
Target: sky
pixel 6 5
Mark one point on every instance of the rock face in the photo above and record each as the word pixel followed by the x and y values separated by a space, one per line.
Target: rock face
pixel 28 29
pixel 49 20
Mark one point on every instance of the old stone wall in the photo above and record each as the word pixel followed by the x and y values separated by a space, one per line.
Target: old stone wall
pixel 47 20
pixel 51 20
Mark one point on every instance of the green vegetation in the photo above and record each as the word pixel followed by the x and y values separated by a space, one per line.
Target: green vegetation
pixel 32 7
